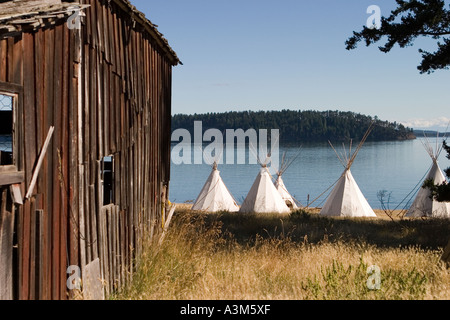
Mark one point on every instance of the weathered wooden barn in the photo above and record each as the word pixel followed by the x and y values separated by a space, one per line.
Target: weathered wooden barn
pixel 85 113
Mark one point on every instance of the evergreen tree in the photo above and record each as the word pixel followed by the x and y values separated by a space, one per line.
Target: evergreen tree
pixel 410 20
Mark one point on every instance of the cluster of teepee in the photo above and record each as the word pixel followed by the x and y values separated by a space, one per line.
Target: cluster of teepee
pixel 264 195
pixel 345 200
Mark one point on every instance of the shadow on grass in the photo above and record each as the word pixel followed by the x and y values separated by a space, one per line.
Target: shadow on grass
pixel 301 226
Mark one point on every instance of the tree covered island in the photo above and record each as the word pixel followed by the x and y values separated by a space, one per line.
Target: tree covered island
pixel 299 126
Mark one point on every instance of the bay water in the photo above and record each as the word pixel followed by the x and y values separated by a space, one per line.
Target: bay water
pixel 397 167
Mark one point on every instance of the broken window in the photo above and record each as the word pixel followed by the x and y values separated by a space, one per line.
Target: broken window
pixel 6 129
pixel 107 176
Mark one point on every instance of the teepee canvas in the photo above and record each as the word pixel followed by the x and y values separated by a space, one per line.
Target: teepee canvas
pixel 285 195
pixel 215 196
pixel 424 205
pixel 263 197
pixel 346 199
pixel 281 187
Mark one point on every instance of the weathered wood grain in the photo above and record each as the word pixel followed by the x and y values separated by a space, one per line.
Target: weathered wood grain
pixel 22 6
pixel 93 282
pixel 9 178
pixel 6 246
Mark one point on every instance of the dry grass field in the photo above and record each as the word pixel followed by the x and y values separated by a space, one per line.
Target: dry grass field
pixel 300 256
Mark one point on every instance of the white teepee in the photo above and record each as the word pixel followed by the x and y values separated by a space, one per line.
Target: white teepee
pixel 214 195
pixel 423 205
pixel 346 199
pixel 263 197
pixel 281 187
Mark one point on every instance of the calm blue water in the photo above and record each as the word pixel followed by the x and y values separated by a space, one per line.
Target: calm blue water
pixel 396 166
pixel 6 143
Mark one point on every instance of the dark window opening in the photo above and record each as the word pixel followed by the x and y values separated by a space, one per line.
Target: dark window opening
pixel 107 175
pixel 6 129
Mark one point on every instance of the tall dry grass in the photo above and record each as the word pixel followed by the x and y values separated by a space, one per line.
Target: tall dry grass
pixel 268 257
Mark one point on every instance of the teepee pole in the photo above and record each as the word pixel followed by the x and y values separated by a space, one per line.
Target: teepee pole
pixel 337 154
pixel 366 135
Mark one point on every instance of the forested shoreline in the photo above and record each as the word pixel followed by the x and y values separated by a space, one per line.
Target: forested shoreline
pixel 299 126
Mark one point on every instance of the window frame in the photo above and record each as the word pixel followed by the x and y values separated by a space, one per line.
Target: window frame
pixel 112 196
pixel 11 174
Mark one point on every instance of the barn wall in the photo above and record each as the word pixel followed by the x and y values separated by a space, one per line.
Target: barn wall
pixel 127 115
pixel 106 89
pixel 40 64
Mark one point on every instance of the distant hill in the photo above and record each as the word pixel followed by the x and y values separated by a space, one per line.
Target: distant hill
pixel 299 126
pixel 430 133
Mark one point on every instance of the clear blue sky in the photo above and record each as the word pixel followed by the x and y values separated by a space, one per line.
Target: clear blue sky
pixel 290 54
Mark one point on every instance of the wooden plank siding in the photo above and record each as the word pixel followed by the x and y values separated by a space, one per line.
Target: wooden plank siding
pixel 106 89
